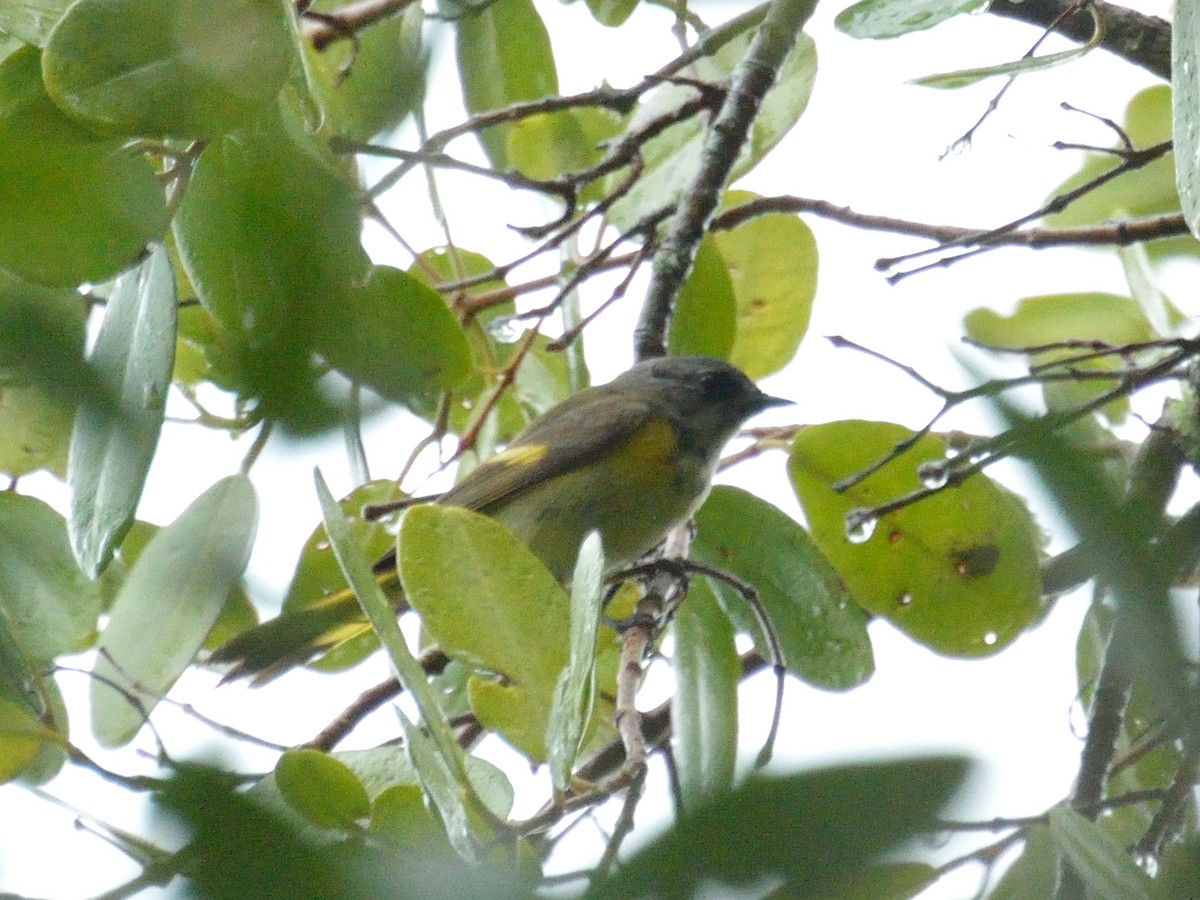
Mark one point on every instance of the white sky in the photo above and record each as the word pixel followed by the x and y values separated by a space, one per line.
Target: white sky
pixel 868 141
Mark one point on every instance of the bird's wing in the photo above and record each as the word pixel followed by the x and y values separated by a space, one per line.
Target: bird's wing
pixel 562 440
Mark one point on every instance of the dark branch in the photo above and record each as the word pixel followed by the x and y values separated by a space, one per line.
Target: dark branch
pixel 1137 38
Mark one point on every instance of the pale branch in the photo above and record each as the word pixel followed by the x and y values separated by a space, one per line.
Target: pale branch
pixel 1140 39
pixel 952 472
pixel 471 304
pixel 618 292
pixel 986 239
pixel 1051 28
pixel 723 142
pixel 1120 233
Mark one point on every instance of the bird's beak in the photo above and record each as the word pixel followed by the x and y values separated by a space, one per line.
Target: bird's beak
pixel 766 401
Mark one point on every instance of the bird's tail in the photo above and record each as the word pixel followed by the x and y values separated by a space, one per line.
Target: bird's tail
pixel 296 636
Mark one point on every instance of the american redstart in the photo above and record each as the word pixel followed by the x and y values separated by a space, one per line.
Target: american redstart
pixel 630 459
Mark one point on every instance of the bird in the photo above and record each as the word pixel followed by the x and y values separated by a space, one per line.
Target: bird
pixel 630 459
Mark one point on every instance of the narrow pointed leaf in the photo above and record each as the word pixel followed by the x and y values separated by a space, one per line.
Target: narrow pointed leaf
pixel 574 693
pixel 704 711
pixel 383 619
pixel 167 605
pixel 1185 108
pixel 1101 863
pixel 110 455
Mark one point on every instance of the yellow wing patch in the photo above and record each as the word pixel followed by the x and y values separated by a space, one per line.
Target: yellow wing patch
pixel 520 455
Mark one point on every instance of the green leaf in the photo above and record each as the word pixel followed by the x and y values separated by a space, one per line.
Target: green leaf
pixel 705 316
pixel 369 84
pixel 966 77
pixel 1024 65
pixel 397 336
pixel 447 792
pixel 32 711
pixel 882 19
pixel 110 456
pixel 1185 109
pixel 886 881
pixel 318 573
pixel 1053 318
pixel 704 710
pixel 1151 190
pixel 541 379
pixel 167 605
pixel 611 12
pixel 1101 863
pixel 772 262
pixel 957 571
pixel 31 20
pixel 671 157
pixel 491 604
pixel 77 207
pixel 388 776
pixel 269 234
pixel 181 68
pixel 50 606
pixel 21 739
pixel 1179 869
pixel 436 755
pixel 809 829
pixel 400 818
pixel 322 789
pixel 821 631
pixel 1035 872
pixel 548 145
pixel 504 57
pixel 574 692
pixel 42 374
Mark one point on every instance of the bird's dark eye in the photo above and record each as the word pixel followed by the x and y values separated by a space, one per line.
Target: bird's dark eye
pixel 719 385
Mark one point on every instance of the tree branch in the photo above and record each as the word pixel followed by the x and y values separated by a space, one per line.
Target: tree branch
pixel 1137 38
pixel 725 138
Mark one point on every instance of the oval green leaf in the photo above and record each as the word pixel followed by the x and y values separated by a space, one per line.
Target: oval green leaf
pixel 772 264
pixel 957 571
pixel 322 789
pixel 41 355
pixel 490 603
pixel 397 336
pixel 51 607
pixel 881 19
pixel 76 207
pixel 575 690
pixel 179 68
pixel 821 631
pixel 369 84
pixel 1053 318
pixel 807 829
pixel 167 605
pixel 504 57
pixel 268 232
pixel 705 316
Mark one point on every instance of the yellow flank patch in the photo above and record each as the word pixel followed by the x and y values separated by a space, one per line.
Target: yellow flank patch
pixel 652 445
pixel 521 455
